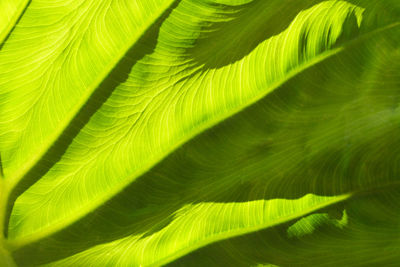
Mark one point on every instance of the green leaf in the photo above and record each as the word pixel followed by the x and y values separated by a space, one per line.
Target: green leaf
pixel 196 225
pixel 10 12
pixel 135 133
pixel 130 133
pixel 370 237
pixel 53 63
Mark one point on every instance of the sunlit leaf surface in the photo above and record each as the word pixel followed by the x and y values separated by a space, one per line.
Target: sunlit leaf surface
pixel 200 132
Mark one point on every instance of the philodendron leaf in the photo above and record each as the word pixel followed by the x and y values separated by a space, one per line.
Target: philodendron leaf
pixel 148 132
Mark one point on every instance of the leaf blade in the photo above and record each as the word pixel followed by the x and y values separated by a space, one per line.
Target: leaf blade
pixel 144 251
pixel 10 13
pixel 260 159
pixel 16 162
pixel 159 143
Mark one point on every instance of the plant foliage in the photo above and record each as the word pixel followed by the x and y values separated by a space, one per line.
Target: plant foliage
pixel 199 132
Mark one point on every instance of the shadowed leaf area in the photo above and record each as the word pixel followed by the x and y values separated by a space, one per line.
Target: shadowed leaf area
pixel 200 133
